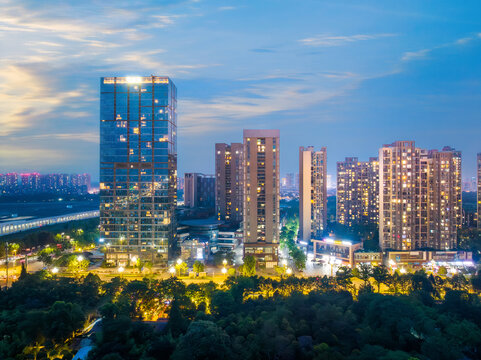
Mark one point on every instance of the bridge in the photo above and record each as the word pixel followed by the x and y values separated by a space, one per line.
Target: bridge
pixel 12 227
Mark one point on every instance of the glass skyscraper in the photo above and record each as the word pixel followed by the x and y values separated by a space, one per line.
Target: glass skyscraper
pixel 138 168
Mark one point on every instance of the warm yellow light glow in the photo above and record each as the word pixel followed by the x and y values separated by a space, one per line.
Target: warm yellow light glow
pixel 133 79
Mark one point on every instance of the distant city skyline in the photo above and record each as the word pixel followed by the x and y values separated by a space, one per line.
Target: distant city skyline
pixel 348 76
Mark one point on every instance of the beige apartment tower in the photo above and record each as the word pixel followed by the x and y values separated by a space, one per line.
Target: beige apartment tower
pixel 229 179
pixel 357 200
pixel 312 193
pixel 478 182
pixel 261 196
pixel 419 197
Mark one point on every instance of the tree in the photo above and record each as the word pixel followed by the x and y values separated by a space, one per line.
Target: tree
pixel 45 256
pixel 13 248
pixel 299 258
pixel 181 268
pixel 198 267
pixel 442 271
pixel 203 340
pixel 77 265
pixel 231 272
pixel 380 275
pixel 249 268
pixel 222 255
pixel 280 270
pixel 364 272
pixel 343 277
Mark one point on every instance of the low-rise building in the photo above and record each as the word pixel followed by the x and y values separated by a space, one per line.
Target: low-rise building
pixel 332 250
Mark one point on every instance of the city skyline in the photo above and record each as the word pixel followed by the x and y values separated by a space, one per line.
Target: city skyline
pixel 346 76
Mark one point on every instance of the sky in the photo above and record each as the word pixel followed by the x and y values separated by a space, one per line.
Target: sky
pixel 348 75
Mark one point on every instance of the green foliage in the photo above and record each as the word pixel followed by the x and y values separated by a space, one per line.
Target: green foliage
pixel 220 256
pixel 203 340
pixel 247 318
pixel 249 267
pixel 470 239
pixel 198 267
pixel 46 256
pixel 181 268
pixel 442 271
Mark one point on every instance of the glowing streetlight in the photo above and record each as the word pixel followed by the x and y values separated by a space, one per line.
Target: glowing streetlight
pixel 121 269
pixel 55 270
pixel 402 271
pixel 224 270
pixel 289 271
pixel 80 258
pixel 134 259
pixel 172 270
pixel 224 262
pixel 179 261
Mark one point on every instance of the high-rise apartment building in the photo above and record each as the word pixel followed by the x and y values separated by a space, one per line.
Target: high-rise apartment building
pixel 229 182
pixel 357 200
pixel 261 195
pixel 138 167
pixel 199 190
pixel 478 173
pixel 312 193
pixel 420 197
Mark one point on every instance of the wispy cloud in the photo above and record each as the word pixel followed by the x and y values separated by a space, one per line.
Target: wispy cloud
pixel 424 53
pixel 326 40
pixel 414 55
pixel 253 102
pixel 26 96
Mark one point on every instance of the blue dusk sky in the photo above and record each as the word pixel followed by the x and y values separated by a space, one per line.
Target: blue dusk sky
pixel 349 75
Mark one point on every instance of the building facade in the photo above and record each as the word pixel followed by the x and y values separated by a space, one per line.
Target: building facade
pixel 478 199
pixel 199 190
pixel 419 197
pixel 229 182
pixel 312 193
pixel 261 195
pixel 357 200
pixel 138 167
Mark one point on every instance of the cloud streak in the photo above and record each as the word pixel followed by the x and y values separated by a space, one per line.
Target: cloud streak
pixel 326 40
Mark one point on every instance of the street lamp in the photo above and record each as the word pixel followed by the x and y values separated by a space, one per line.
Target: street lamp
pixel 224 262
pixel 402 271
pixel 80 258
pixel 172 270
pixel 121 269
pixel 224 270
pixel 134 259
pixel 55 270
pixel 179 261
pixel 289 271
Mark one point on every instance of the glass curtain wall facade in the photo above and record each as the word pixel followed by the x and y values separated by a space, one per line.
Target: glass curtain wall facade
pixel 138 168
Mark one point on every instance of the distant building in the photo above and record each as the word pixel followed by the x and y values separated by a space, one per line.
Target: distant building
pixel 35 183
pixel 261 195
pixel 199 190
pixel 478 168
pixel 229 196
pixel 357 200
pixel 419 197
pixel 180 183
pixel 138 167
pixel 312 193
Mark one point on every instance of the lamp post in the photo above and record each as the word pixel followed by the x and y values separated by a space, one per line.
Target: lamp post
pixel 121 270
pixel 172 271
